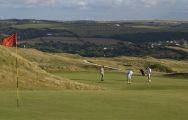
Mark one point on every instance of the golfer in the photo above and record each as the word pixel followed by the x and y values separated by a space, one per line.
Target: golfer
pixel 142 72
pixel 129 76
pixel 102 73
pixel 148 73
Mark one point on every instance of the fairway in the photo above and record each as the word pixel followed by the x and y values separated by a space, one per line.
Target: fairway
pixel 118 81
pixel 165 99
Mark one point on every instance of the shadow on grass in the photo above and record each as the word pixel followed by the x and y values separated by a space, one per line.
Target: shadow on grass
pixel 178 75
pixel 151 87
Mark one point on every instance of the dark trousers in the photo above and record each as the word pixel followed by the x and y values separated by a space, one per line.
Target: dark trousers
pixel 102 77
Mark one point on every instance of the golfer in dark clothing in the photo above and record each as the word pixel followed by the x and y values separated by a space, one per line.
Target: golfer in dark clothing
pixel 142 72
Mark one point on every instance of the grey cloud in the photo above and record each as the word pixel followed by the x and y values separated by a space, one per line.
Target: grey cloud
pixel 93 3
pixel 99 9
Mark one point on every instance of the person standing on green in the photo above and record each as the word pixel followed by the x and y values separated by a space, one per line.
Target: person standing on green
pixel 129 76
pixel 148 73
pixel 102 73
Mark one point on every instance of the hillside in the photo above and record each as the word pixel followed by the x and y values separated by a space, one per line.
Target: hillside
pixel 89 38
pixel 69 62
pixel 180 49
pixel 30 75
pixel 127 30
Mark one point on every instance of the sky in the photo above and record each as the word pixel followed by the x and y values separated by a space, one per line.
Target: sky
pixel 101 10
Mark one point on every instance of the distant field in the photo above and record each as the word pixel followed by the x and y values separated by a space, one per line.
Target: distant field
pixel 34 25
pixel 119 36
pixel 74 40
pixel 148 27
pixel 164 99
pixel 93 28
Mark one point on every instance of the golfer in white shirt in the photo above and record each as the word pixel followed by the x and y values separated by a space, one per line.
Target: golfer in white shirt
pixel 129 76
pixel 148 72
pixel 102 73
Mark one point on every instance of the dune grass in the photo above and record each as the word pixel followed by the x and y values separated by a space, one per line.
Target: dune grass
pixel 69 62
pixel 30 75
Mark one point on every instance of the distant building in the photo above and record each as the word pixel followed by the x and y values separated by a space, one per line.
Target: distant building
pixel 49 34
pixel 117 25
pixel 35 21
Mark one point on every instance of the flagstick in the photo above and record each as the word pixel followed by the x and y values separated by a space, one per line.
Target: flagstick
pixel 17 79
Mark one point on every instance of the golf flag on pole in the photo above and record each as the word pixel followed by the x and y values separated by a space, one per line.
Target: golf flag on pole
pixel 7 42
pixel 10 40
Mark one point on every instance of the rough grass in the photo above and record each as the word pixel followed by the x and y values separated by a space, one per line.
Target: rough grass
pixel 68 62
pixel 53 62
pixel 30 75
pixel 136 63
pixel 178 75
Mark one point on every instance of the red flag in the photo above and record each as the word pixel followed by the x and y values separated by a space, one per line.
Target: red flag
pixel 10 40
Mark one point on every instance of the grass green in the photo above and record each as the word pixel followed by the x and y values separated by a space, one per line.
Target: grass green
pixel 165 99
pixel 117 81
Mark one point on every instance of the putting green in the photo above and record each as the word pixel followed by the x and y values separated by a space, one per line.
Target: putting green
pixel 165 99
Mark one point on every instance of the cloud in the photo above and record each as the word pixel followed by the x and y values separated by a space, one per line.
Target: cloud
pixel 150 3
pixel 78 3
pixel 37 2
pixel 91 3
pixel 28 3
pixel 119 9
